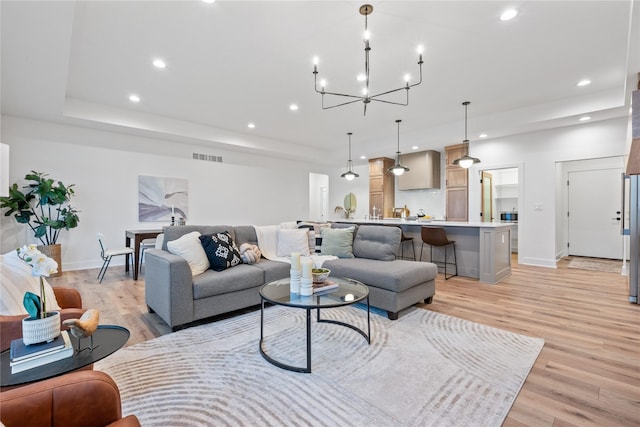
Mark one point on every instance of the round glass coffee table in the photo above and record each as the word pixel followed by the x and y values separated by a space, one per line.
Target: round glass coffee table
pixel 348 292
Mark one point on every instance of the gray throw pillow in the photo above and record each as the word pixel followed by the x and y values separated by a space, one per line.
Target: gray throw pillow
pixel 377 242
pixel 337 242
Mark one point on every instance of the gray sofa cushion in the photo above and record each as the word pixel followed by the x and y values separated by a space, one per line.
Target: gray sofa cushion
pixel 273 270
pixel 173 233
pixel 396 276
pixel 245 234
pixel 233 279
pixel 377 242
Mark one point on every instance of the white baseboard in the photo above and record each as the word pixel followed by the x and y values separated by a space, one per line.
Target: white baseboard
pixel 538 262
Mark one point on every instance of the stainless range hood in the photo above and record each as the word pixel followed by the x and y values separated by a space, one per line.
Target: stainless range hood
pixel 424 171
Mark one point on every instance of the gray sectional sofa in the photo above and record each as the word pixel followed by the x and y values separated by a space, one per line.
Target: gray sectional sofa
pixel 180 298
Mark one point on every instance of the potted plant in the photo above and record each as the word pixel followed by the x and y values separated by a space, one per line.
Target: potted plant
pixel 41 325
pixel 45 207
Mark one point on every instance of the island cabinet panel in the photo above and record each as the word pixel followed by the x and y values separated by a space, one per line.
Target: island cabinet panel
pixel 457 184
pixel 381 187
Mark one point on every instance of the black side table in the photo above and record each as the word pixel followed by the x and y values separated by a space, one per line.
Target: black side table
pixel 107 339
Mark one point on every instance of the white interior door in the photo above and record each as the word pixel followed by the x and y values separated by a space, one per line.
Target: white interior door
pixel 594 213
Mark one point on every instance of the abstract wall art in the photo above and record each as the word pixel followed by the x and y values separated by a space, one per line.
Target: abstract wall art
pixel 160 198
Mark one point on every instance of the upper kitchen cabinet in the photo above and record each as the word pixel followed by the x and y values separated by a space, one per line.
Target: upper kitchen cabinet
pixel 457 184
pixel 381 187
pixel 424 170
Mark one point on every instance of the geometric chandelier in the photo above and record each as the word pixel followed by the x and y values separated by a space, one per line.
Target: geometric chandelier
pixel 365 97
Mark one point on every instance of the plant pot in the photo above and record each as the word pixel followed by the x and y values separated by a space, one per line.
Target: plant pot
pixel 55 252
pixel 40 330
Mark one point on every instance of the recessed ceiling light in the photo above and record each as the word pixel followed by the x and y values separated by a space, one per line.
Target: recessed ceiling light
pixel 293 107
pixel 584 118
pixel 483 135
pixel 209 1
pixel 159 63
pixel 251 125
pixel 584 82
pixel 415 147
pixel 134 98
pixel 361 77
pixel 508 14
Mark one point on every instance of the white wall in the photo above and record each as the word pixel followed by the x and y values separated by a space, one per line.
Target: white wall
pixel 340 187
pixel 538 152
pixel 244 189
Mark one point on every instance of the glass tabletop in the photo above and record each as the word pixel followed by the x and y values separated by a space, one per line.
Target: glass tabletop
pixel 349 291
pixel 106 340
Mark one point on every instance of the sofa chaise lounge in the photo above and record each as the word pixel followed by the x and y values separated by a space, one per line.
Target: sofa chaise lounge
pixel 180 298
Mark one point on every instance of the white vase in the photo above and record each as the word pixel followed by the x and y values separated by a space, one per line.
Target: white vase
pixel 40 330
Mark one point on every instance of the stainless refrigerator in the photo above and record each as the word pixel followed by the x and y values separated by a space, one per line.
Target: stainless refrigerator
pixel 632 180
pixel 632 228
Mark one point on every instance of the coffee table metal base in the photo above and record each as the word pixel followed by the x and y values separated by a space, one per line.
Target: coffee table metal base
pixel 307 369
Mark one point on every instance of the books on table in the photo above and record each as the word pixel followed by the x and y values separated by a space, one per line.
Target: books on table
pixel 324 286
pixel 24 357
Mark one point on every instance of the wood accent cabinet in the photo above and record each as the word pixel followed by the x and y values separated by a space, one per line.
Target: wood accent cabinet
pixel 457 184
pixel 381 187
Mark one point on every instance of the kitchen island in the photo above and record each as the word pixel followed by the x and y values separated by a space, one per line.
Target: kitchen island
pixel 483 249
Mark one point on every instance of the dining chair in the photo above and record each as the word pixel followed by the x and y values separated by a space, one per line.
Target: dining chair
pixel 108 253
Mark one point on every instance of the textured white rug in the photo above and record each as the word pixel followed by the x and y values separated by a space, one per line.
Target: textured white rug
pixel 596 264
pixel 425 369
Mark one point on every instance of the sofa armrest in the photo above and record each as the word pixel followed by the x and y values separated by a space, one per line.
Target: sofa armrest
pixel 67 297
pixel 80 398
pixel 168 286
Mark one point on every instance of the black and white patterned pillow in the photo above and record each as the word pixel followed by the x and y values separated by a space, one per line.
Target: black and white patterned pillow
pixel 221 250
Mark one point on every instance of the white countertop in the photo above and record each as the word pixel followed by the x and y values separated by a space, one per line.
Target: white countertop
pixel 441 223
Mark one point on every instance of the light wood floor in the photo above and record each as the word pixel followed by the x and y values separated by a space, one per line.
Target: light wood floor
pixel 588 373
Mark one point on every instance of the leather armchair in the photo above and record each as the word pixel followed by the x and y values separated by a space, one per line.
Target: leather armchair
pixel 80 398
pixel 70 302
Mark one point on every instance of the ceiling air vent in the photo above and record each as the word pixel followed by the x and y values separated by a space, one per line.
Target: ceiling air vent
pixel 207 157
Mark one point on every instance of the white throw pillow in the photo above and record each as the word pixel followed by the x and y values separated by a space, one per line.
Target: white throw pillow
pixel 15 280
pixel 293 240
pixel 190 248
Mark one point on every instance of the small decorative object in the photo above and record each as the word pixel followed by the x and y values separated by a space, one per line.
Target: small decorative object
pixel 45 208
pixel 294 281
pixel 295 273
pixel 320 274
pixel 40 326
pixel 306 283
pixel 84 327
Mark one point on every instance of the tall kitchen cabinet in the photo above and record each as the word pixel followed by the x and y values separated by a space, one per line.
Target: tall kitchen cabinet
pixel 381 187
pixel 457 184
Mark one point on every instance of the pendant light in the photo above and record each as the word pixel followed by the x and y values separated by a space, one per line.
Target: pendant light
pixel 349 175
pixel 466 161
pixel 398 169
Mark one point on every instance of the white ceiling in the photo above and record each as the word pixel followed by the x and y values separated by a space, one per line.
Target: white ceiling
pixel 235 62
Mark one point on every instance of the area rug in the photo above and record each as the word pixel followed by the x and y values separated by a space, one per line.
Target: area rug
pixel 424 369
pixel 596 264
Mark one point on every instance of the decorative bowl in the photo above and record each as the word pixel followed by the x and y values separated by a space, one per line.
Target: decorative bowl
pixel 320 274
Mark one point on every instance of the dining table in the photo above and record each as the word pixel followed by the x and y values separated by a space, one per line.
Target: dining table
pixel 137 236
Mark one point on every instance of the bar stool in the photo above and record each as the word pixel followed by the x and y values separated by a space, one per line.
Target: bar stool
pixel 404 239
pixel 436 236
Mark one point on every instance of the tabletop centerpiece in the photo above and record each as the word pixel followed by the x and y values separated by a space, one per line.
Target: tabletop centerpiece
pixel 41 325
